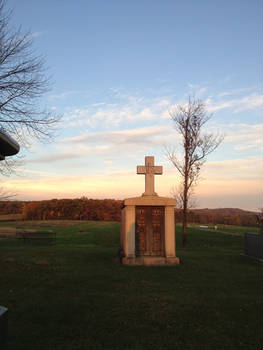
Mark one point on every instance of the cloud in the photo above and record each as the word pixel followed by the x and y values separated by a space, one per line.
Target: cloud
pixel 241 137
pixel 53 158
pixel 110 185
pixel 37 34
pixel 139 137
pixel 98 104
pixel 197 90
pixel 250 169
pixel 250 102
pixel 110 116
pixel 108 161
pixel 66 94
pixel 122 109
pixel 38 173
pixel 254 101
pixel 245 136
pixel 64 156
pixel 108 143
pixel 235 91
pixel 228 172
pixel 130 110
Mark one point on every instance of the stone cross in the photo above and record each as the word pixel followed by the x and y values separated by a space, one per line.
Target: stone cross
pixel 149 170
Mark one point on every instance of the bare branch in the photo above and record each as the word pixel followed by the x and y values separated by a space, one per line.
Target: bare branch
pixel 6 195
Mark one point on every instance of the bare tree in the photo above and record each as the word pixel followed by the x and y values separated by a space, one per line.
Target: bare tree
pixel 188 121
pixel 22 83
pixel 178 193
pixel 6 195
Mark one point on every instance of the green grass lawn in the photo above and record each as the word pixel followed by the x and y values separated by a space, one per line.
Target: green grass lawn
pixel 84 299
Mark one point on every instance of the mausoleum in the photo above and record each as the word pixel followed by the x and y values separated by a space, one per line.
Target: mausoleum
pixel 148 227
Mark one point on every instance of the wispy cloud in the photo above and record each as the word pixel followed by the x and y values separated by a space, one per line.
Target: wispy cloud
pixel 238 91
pixel 245 136
pixel 65 94
pixel 237 169
pixel 123 141
pixel 53 158
pixel 250 102
pixel 109 144
pixel 81 152
pixel 38 34
pixel 110 115
pixel 133 110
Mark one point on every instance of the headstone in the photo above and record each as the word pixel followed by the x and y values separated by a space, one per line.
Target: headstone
pixel 148 227
pixel 254 244
pixel 3 327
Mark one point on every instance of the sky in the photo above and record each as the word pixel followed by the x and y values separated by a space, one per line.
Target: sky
pixel 117 68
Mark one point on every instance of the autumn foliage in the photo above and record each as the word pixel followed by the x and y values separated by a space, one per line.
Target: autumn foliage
pixel 110 210
pixel 70 209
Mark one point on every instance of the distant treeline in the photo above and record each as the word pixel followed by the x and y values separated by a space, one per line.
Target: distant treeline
pixel 70 209
pixel 224 216
pixel 110 210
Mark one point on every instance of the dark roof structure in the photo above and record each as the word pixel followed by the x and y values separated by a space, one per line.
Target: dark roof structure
pixel 8 146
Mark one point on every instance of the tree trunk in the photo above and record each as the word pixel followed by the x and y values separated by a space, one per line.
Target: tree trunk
pixel 186 179
pixel 184 228
pixel 185 206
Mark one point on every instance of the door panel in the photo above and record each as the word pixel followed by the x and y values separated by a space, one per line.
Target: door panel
pixel 149 231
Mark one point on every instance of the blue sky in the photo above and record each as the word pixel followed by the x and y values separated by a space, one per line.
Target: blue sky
pixel 118 67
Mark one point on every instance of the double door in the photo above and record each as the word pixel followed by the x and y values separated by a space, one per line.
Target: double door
pixel 149 233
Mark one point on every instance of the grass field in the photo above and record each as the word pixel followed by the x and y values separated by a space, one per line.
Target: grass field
pixel 75 295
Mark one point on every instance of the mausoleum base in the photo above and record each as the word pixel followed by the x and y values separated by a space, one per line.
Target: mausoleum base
pixel 150 260
pixel 130 230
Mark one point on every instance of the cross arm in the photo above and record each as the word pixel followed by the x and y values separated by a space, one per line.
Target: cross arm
pixel 141 169
pixel 158 170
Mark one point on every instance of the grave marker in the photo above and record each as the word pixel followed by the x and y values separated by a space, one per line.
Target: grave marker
pixel 3 327
pixel 148 227
pixel 253 245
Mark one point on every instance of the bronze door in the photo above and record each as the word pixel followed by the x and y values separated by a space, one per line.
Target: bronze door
pixel 149 231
